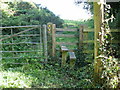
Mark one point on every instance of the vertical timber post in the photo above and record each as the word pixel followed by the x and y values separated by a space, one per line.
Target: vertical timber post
pixel 41 44
pixel 45 42
pixel 53 40
pixel 98 19
pixel 49 33
pixel 0 43
pixel 80 37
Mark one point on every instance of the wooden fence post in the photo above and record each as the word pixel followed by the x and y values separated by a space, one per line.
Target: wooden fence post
pixel 45 42
pixel 41 44
pixel 98 19
pixel 49 34
pixel 1 45
pixel 53 40
pixel 80 37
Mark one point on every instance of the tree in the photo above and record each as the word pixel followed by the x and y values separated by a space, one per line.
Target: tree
pixel 27 13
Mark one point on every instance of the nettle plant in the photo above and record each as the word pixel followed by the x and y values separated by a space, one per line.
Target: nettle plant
pixel 109 74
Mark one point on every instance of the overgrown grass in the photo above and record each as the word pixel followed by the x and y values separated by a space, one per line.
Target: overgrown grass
pixel 45 76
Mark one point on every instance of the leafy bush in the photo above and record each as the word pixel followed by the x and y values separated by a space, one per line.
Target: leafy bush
pixel 27 13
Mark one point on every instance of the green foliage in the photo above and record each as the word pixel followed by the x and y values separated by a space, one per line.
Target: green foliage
pixel 110 69
pixel 46 76
pixel 116 22
pixel 12 79
pixel 109 64
pixel 27 13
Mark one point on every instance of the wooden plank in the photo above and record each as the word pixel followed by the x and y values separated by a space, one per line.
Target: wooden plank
pixel 88 41
pixel 64 48
pixel 88 30
pixel 69 50
pixel 17 34
pixel 115 41
pixel 19 26
pixel 92 30
pixel 53 40
pixel 114 30
pixel 88 51
pixel 65 35
pixel 66 43
pixel 63 29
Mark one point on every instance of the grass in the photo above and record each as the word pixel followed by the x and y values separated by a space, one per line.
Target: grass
pixel 48 76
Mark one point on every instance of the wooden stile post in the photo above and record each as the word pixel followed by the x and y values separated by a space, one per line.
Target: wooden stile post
pixel 53 40
pixel 49 34
pixel 45 42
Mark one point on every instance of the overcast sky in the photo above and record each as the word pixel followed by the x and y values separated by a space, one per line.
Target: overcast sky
pixel 66 9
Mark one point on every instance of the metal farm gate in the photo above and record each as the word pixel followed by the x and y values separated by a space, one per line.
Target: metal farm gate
pixel 23 44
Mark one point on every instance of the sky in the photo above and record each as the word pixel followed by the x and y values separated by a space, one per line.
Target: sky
pixel 66 9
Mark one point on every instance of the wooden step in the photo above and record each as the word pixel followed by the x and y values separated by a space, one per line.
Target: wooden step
pixel 64 48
